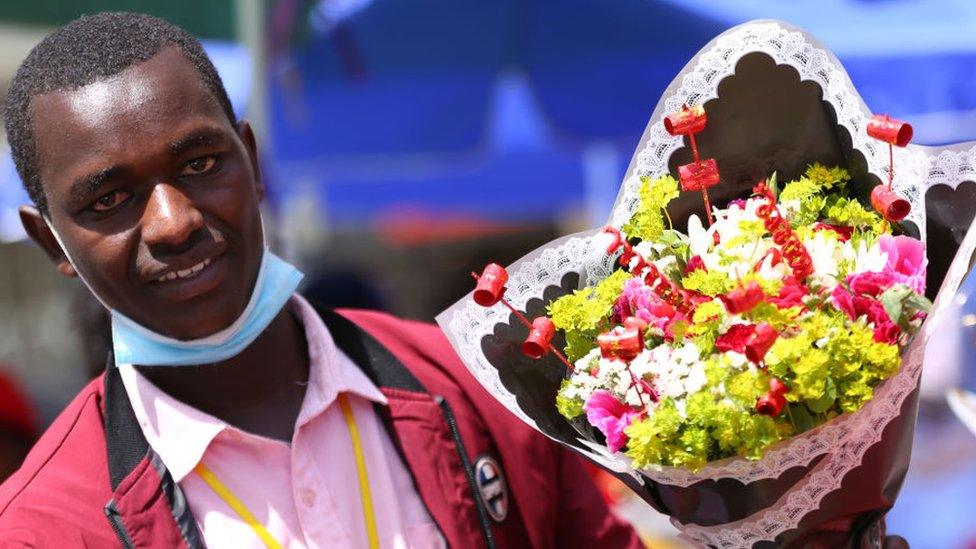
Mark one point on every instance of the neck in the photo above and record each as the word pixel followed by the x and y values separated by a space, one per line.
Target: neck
pixel 259 391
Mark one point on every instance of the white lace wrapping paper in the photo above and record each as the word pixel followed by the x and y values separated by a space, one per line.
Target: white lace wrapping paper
pixel 844 440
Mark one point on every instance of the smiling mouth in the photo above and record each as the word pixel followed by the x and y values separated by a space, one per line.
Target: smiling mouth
pixel 185 273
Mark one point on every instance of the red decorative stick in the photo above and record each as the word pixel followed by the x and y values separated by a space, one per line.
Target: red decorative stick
pixel 891 206
pixel 491 285
pixel 663 287
pixel 772 403
pixel 537 342
pixel 492 273
pixel 686 121
pixel 699 175
pixel 783 235
pixel 894 133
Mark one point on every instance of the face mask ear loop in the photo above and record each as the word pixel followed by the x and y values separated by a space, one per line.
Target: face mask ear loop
pixel 64 250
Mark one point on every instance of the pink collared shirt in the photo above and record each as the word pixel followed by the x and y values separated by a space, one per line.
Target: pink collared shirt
pixel 305 493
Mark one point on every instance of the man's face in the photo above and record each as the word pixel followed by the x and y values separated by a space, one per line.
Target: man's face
pixel 154 194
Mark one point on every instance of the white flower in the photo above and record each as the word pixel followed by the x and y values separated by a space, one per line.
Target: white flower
pixel 588 361
pixel 688 353
pixel 699 239
pixel 696 379
pixel 644 248
pixel 869 260
pixel 769 271
pixel 825 253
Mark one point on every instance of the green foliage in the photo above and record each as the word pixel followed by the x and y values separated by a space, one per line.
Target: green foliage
pixel 705 282
pixel 585 309
pixel 832 365
pixel 582 313
pixel 569 407
pixel 850 212
pixel 647 222
pixel 817 180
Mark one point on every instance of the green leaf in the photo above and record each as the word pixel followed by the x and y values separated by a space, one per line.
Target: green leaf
pixel 803 420
pixel 918 302
pixel 825 402
pixel 893 300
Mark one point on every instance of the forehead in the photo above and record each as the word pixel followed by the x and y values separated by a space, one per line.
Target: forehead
pixel 121 118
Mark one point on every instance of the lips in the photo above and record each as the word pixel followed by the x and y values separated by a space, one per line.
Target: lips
pixel 185 273
pixel 196 280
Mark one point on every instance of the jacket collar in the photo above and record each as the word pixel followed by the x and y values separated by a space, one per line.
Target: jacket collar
pixel 412 416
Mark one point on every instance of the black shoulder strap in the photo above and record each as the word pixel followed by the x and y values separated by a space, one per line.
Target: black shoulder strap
pixel 124 440
pixel 376 361
pixel 127 447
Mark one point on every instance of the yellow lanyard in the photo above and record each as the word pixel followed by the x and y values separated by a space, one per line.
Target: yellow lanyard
pixel 224 493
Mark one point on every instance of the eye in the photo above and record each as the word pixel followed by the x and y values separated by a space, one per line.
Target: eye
pixel 200 166
pixel 109 201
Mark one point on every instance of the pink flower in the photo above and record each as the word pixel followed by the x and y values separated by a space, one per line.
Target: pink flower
pixel 695 263
pixel 639 300
pixel 872 284
pixel 790 295
pixel 857 306
pixel 611 417
pixel 906 260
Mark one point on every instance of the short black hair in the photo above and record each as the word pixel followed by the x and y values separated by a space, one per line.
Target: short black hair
pixel 87 50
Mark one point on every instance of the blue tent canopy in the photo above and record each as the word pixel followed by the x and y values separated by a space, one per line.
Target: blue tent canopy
pixel 397 105
pixel 519 110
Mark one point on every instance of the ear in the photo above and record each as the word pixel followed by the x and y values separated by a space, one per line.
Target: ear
pixel 246 133
pixel 39 231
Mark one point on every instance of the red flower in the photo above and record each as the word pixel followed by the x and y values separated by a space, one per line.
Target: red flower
pixel 694 264
pixel 872 284
pixel 752 340
pixel 790 295
pixel 743 298
pixel 736 338
pixel 760 342
pixel 842 231
pixel 885 331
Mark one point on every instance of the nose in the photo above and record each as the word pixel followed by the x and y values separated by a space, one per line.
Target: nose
pixel 170 217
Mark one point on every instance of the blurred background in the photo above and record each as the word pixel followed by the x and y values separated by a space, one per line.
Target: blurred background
pixel 407 142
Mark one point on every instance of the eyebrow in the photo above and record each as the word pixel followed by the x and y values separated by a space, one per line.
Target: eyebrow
pixel 200 138
pixel 86 185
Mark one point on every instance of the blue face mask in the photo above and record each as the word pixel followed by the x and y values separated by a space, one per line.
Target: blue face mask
pixel 136 344
pixel 133 343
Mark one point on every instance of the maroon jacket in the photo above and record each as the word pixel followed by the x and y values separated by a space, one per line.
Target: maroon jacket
pixel 93 481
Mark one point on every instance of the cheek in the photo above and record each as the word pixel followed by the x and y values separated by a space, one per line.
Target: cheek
pixel 106 268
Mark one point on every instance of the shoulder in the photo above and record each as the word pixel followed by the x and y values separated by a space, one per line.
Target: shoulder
pixel 407 339
pixel 426 352
pixel 63 480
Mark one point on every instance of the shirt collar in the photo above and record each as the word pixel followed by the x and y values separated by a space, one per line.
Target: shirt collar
pixel 181 434
pixel 178 433
pixel 330 371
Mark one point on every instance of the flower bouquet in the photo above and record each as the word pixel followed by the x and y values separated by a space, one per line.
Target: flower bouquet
pixel 741 343
pixel 787 311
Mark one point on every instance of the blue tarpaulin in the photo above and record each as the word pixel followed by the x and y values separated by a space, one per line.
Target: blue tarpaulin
pixel 518 110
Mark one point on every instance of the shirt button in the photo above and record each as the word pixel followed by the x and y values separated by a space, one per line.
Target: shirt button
pixel 308 497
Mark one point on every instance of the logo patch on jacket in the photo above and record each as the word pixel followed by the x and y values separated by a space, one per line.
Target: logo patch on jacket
pixel 491 487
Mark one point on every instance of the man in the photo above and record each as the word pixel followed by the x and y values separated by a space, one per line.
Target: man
pixel 232 413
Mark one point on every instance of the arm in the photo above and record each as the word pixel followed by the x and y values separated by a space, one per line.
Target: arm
pixel 584 519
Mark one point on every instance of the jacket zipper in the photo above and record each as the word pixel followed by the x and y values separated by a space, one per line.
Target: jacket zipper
pixel 468 471
pixel 115 519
